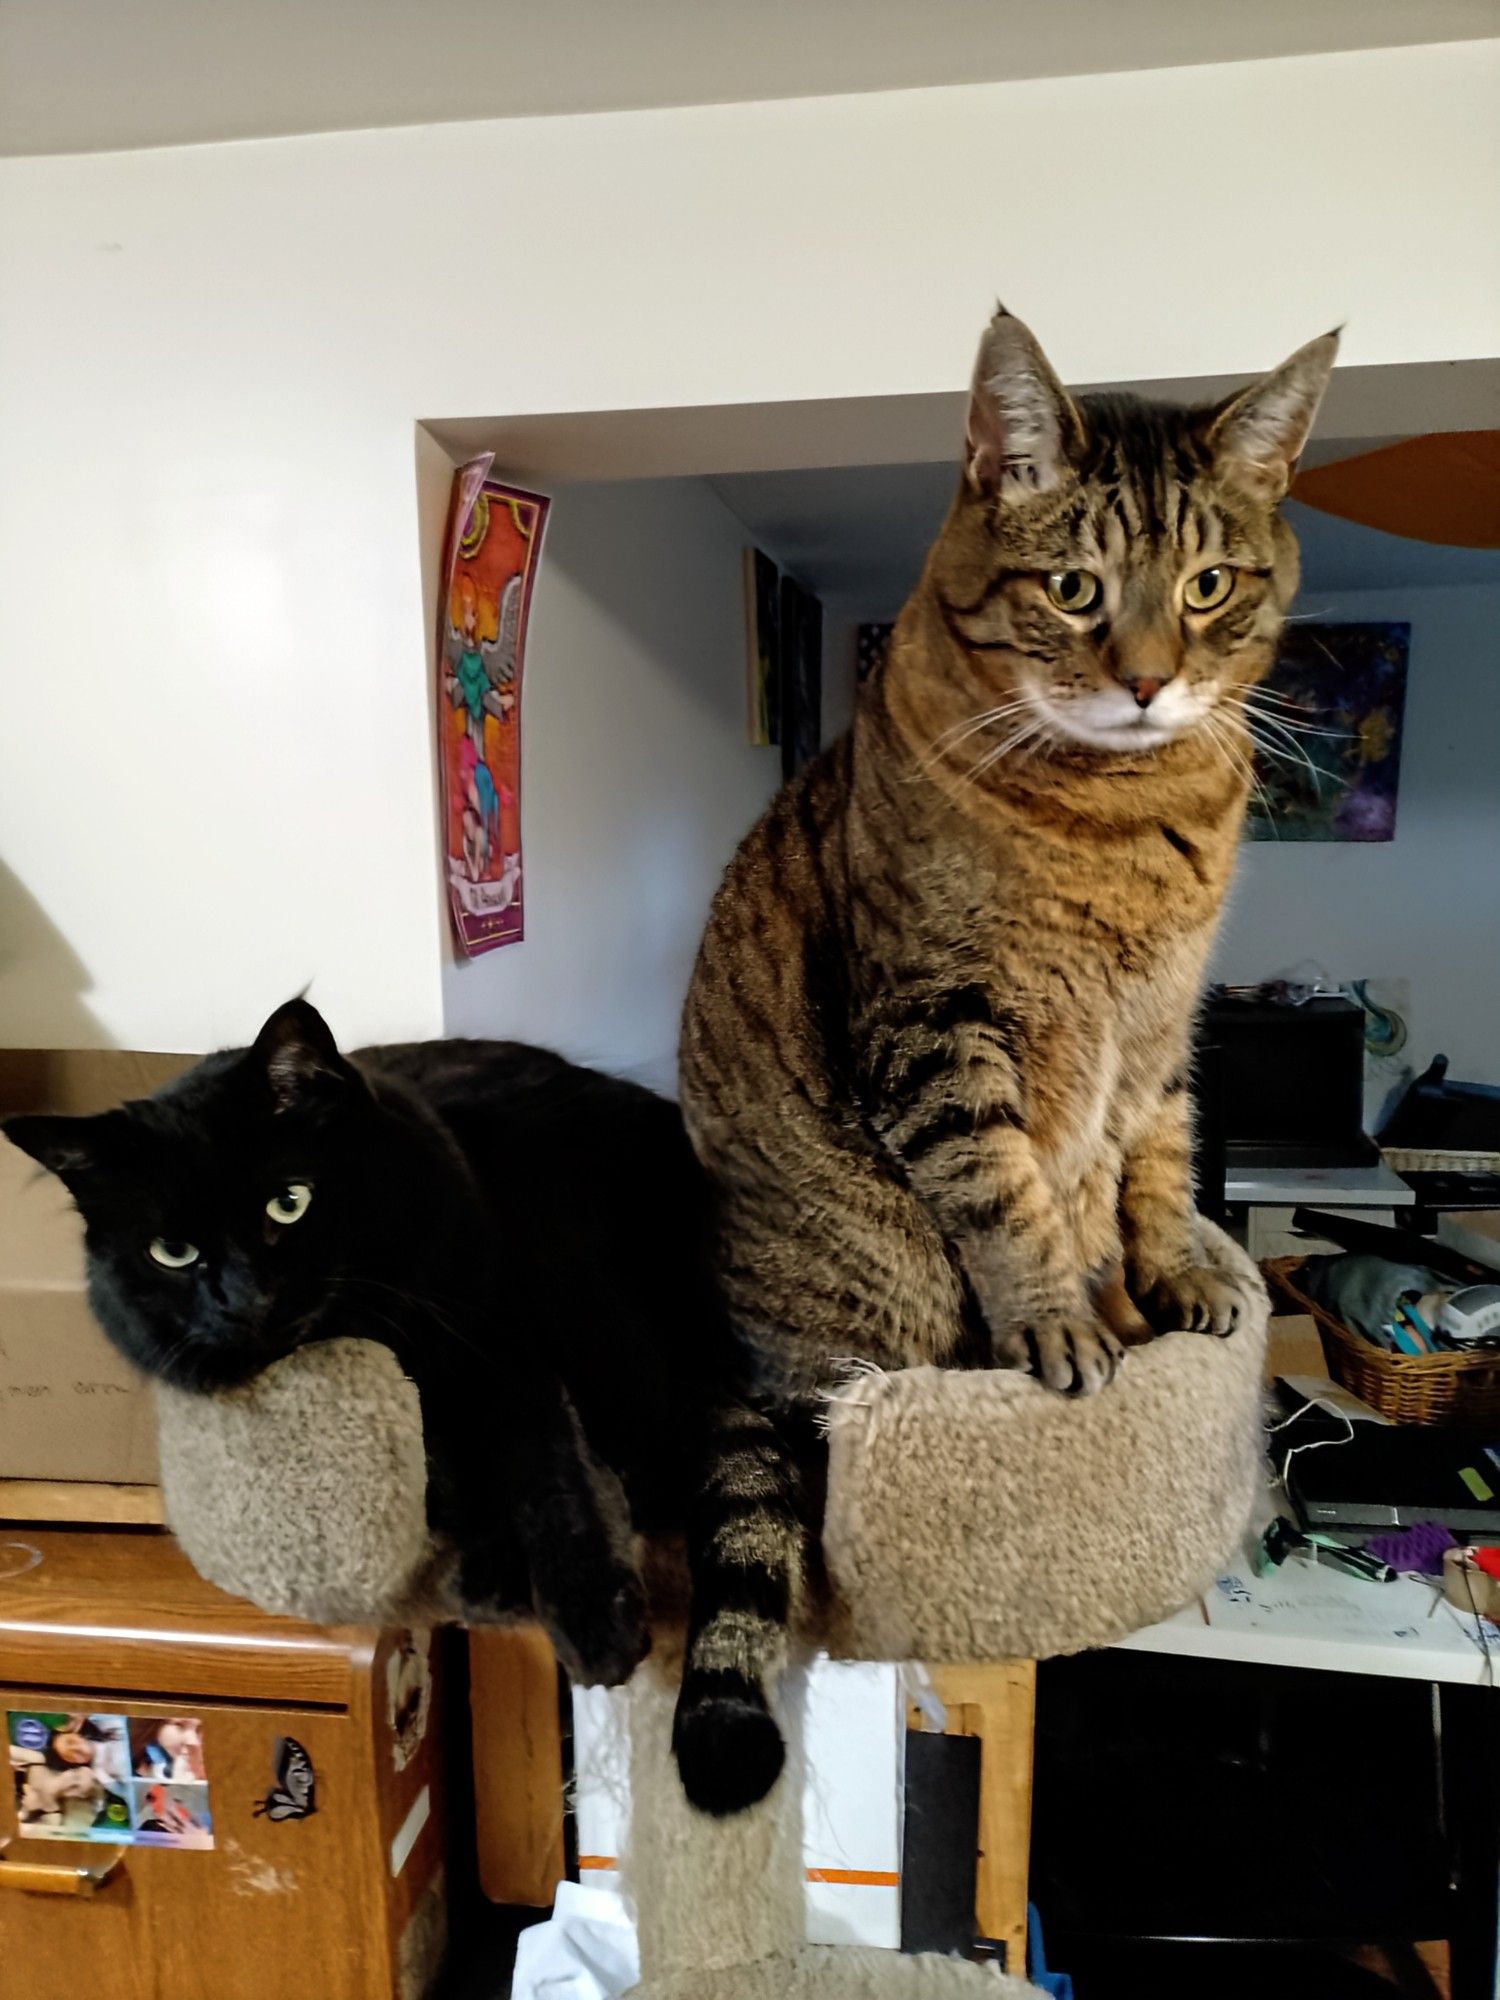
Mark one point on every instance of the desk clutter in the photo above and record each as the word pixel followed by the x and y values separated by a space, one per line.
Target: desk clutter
pixel 1381 1503
pixel 1408 1324
pixel 1404 1308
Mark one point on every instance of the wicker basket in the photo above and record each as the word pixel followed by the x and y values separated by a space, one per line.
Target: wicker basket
pixel 1458 1389
pixel 1439 1160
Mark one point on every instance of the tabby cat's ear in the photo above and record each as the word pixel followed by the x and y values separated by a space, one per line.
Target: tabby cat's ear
pixel 1023 425
pixel 1259 434
pixel 299 1057
pixel 78 1150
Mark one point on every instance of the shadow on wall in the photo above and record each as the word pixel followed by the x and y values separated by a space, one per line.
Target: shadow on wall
pixel 41 978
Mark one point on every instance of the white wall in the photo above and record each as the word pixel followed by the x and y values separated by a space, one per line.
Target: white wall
pixel 1425 906
pixel 637 781
pixel 215 767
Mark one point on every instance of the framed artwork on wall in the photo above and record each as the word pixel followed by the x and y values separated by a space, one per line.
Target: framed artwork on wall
pixel 871 644
pixel 762 647
pixel 1328 720
pixel 801 676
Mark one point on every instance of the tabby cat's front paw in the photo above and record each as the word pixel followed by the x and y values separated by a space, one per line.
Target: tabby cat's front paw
pixel 599 1626
pixel 1073 1353
pixel 1197 1300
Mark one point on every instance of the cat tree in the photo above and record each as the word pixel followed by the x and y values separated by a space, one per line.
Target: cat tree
pixel 970 1517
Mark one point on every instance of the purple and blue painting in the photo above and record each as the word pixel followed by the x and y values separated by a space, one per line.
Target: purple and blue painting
pixel 1330 729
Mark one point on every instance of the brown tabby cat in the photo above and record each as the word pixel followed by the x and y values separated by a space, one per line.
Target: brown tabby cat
pixel 935 1050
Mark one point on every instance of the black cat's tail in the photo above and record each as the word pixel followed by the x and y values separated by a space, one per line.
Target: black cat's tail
pixel 746 1551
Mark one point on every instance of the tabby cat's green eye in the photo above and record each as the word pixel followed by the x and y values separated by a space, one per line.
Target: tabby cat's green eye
pixel 173 1256
pixel 1208 588
pixel 289 1204
pixel 1074 589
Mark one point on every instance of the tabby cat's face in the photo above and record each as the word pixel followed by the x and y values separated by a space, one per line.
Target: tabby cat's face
pixel 1115 571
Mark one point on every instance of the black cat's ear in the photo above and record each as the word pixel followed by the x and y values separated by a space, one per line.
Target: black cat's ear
pixel 1023 425
pixel 1259 434
pixel 299 1057
pixel 78 1150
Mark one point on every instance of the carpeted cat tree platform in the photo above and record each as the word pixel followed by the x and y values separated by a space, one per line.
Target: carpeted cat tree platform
pixel 970 1517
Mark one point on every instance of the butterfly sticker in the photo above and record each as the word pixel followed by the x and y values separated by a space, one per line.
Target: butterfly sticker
pixel 295 1792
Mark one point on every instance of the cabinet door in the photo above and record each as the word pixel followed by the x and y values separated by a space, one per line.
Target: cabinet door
pixel 283 1902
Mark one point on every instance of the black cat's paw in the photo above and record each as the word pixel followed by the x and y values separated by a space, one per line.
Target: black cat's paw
pixel 728 1748
pixel 601 1627
pixel 491 1582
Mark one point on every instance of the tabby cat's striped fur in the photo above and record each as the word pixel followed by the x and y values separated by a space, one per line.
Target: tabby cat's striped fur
pixel 935 1047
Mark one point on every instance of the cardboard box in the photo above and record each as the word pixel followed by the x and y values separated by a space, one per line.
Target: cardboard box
pixel 70 1407
pixel 1473 1232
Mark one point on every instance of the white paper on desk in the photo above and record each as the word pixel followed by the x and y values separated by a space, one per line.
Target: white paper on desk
pixel 1313 1601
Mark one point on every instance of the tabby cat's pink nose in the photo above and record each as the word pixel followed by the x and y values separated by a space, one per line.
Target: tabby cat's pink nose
pixel 1145 692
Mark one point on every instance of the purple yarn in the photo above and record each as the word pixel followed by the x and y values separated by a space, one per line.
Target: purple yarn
pixel 1414 1549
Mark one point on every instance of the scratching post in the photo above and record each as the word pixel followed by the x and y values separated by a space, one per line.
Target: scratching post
pixel 719 1902
pixel 981 1517
pixel 970 1517
pixel 708 1894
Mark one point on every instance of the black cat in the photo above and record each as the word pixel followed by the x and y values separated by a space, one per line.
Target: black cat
pixel 528 1237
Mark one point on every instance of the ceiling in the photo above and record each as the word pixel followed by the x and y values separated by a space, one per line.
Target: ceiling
pixel 858 533
pixel 94 75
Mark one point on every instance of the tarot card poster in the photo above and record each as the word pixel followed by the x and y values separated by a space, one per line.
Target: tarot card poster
pixel 490 558
pixel 134 1781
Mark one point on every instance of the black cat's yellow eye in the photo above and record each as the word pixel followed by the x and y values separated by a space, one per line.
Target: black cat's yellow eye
pixel 1208 588
pixel 291 1203
pixel 1076 590
pixel 173 1256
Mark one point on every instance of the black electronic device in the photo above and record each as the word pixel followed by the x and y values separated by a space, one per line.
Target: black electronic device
pixel 1287 1082
pixel 1390 1476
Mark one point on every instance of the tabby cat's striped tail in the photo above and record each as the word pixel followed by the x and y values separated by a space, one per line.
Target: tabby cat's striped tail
pixel 746 1545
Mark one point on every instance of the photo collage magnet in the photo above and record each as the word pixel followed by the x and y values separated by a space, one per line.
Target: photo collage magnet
pixel 137 1780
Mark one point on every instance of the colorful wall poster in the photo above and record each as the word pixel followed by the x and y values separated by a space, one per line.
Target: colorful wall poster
pixel 134 1781
pixel 490 557
pixel 1327 720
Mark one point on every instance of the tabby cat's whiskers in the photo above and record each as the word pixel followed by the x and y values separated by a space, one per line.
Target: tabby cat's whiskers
pixel 1284 750
pixel 1037 732
pixel 960 732
pixel 1217 731
pixel 1257 700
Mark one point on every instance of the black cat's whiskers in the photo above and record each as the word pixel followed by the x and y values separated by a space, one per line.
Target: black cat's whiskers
pixel 174 1354
pixel 427 1308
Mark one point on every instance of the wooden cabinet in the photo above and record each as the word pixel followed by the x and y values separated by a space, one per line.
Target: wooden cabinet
pixel 343 1902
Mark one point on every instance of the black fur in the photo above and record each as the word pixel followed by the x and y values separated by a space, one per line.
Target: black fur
pixel 530 1240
